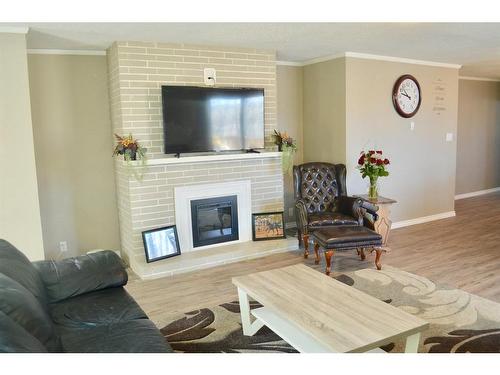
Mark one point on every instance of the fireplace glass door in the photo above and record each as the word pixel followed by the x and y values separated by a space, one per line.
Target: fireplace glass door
pixel 214 220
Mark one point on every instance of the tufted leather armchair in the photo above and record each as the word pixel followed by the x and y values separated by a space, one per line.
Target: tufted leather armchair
pixel 321 199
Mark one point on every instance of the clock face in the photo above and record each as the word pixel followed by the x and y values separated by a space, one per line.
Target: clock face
pixel 406 96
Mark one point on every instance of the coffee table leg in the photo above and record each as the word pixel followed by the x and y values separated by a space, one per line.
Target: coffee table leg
pixel 412 343
pixel 316 252
pixel 249 327
pixel 328 258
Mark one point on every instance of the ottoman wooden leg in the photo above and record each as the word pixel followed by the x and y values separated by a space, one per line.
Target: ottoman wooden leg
pixel 316 252
pixel 378 255
pixel 305 238
pixel 361 253
pixel 328 258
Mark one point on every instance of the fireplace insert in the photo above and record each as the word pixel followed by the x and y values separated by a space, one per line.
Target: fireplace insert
pixel 214 220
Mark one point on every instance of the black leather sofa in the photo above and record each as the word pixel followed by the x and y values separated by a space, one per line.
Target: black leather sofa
pixel 75 305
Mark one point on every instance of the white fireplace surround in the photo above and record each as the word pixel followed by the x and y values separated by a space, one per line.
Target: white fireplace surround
pixel 183 195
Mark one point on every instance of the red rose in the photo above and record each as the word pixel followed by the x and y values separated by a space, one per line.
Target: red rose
pixel 373 160
pixel 386 161
pixel 379 152
pixel 361 160
pixel 371 152
pixel 380 162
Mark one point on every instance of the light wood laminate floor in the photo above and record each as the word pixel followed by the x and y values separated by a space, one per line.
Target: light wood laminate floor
pixel 461 252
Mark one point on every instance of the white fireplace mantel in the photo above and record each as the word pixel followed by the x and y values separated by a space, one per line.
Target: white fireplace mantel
pixel 208 158
pixel 183 195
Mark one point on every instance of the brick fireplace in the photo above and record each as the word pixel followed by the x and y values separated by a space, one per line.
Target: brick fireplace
pixel 137 70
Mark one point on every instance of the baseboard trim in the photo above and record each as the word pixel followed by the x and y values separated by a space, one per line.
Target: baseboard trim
pixel 423 219
pixel 476 193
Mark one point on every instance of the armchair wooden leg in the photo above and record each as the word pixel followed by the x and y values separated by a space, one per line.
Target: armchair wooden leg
pixel 316 252
pixel 305 238
pixel 328 258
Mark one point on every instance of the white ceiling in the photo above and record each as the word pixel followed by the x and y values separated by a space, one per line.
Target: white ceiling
pixel 476 46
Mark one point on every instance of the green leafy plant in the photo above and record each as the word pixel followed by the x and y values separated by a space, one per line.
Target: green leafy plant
pixel 288 146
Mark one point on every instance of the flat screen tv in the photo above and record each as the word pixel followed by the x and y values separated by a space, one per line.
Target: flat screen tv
pixel 202 119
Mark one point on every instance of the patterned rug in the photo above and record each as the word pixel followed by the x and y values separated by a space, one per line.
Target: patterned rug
pixel 459 321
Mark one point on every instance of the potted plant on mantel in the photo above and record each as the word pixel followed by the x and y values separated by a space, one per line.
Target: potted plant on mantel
pixel 131 151
pixel 373 164
pixel 288 146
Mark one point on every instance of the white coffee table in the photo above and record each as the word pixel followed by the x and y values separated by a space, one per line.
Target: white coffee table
pixel 315 313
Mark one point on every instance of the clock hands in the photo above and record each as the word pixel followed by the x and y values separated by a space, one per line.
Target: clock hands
pixel 403 92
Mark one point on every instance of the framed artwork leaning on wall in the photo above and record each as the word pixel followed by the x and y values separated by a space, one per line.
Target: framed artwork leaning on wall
pixel 161 243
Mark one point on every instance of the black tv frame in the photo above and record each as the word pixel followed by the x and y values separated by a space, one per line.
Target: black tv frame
pixel 252 150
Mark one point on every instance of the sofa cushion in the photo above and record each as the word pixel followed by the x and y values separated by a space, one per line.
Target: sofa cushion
pixel 137 336
pixel 321 219
pixel 86 273
pixel 15 265
pixel 103 307
pixel 15 339
pixel 23 308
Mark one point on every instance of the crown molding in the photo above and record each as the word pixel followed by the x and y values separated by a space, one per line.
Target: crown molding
pixel 368 56
pixel 289 63
pixel 466 78
pixel 66 52
pixel 14 29
pixel 323 58
pixel 401 60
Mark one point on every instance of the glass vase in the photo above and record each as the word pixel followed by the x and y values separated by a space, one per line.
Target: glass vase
pixel 373 189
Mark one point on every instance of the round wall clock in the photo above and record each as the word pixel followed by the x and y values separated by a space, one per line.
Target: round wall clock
pixel 406 96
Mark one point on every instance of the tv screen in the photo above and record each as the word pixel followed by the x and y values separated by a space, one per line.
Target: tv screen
pixel 200 119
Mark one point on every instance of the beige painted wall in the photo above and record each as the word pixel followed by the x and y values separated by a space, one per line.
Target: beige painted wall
pixel 289 116
pixel 73 145
pixel 478 139
pixel 19 205
pixel 422 176
pixel 324 111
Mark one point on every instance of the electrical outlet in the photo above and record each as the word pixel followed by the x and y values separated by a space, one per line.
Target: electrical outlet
pixel 63 246
pixel 449 137
pixel 290 212
pixel 209 76
pixel 412 126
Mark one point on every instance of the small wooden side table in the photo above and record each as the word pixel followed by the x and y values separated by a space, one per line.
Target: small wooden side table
pixel 383 223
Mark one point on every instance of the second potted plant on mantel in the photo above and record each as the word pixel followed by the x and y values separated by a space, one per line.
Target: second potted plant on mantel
pixel 288 146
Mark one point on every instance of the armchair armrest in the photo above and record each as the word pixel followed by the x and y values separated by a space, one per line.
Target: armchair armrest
pixel 350 206
pixel 86 273
pixel 301 215
pixel 369 211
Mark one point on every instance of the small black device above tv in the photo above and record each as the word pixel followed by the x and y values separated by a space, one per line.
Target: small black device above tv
pixel 204 119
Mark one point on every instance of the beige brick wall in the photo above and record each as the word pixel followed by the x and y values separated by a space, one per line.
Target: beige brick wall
pixel 139 70
pixel 136 72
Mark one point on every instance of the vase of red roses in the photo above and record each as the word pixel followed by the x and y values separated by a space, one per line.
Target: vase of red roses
pixel 373 165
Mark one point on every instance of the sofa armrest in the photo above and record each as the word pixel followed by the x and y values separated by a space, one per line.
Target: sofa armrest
pixel 301 215
pixel 351 206
pixel 86 273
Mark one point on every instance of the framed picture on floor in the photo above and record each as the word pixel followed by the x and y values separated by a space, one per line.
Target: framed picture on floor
pixel 268 226
pixel 161 243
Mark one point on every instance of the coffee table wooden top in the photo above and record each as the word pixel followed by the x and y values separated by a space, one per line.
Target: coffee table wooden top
pixel 340 317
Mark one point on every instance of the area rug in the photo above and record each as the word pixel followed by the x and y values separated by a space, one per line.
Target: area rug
pixel 459 321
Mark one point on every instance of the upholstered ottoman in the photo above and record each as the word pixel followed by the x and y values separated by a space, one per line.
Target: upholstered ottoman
pixel 345 238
